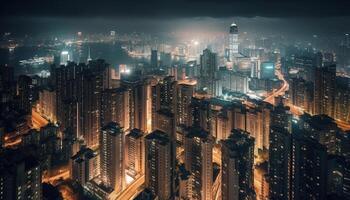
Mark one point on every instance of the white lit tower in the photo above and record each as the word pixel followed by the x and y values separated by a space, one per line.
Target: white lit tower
pixel 233 41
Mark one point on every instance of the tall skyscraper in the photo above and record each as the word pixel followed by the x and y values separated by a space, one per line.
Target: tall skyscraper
pixel 135 152
pixel 115 107
pixel 267 70
pixel 154 59
pixel 138 91
pixel 112 156
pixel 308 167
pixel 185 94
pixel 281 117
pixel 65 57
pixel 279 163
pixel 237 154
pixel 201 113
pixel 158 160
pixel 164 96
pixel 20 175
pixel 324 90
pixel 85 165
pixel 198 161
pixel 233 41
pixel 165 122
pixel 208 70
pixel 25 92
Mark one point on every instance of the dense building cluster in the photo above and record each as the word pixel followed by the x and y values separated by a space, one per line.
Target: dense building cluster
pixel 195 131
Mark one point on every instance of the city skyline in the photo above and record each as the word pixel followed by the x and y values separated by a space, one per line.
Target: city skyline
pixel 190 99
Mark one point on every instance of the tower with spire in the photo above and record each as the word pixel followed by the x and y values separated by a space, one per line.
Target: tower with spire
pixel 89 56
pixel 233 41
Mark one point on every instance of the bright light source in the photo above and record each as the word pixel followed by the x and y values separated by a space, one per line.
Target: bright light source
pixel 196 43
pixel 128 179
pixel 64 52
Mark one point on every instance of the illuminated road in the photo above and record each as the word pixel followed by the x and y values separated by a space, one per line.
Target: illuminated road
pixel 37 120
pixel 131 190
pixel 343 125
pixel 64 175
pixel 285 87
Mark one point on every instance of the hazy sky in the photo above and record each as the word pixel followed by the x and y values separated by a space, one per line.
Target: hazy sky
pixel 176 8
pixel 297 17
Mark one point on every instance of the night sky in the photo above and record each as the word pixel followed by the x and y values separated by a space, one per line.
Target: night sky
pixel 176 8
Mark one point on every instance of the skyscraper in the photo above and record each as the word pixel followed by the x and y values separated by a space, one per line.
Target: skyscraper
pixel 208 70
pixel 308 167
pixel 65 57
pixel 20 175
pixel 198 161
pixel 157 168
pixel 324 90
pixel 115 107
pixel 279 163
pixel 237 156
pixel 185 94
pixel 25 92
pixel 164 96
pixel 154 59
pixel 84 165
pixel 135 152
pixel 233 41
pixel 112 156
pixel 138 91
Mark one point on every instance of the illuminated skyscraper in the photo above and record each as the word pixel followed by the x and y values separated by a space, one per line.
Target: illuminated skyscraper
pixel 279 163
pixel 165 122
pixel 112 156
pixel 267 70
pixel 25 92
pixel 201 113
pixel 138 91
pixel 237 156
pixel 185 93
pixel 164 96
pixel 115 107
pixel 324 90
pixel 281 117
pixel 233 42
pixel 84 165
pixel 157 168
pixel 208 70
pixel 154 59
pixel 20 175
pixel 199 162
pixel 65 57
pixel 308 167
pixel 135 152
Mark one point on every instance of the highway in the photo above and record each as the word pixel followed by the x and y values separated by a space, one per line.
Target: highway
pixel 297 111
pixel 285 87
pixel 131 191
pixel 37 120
